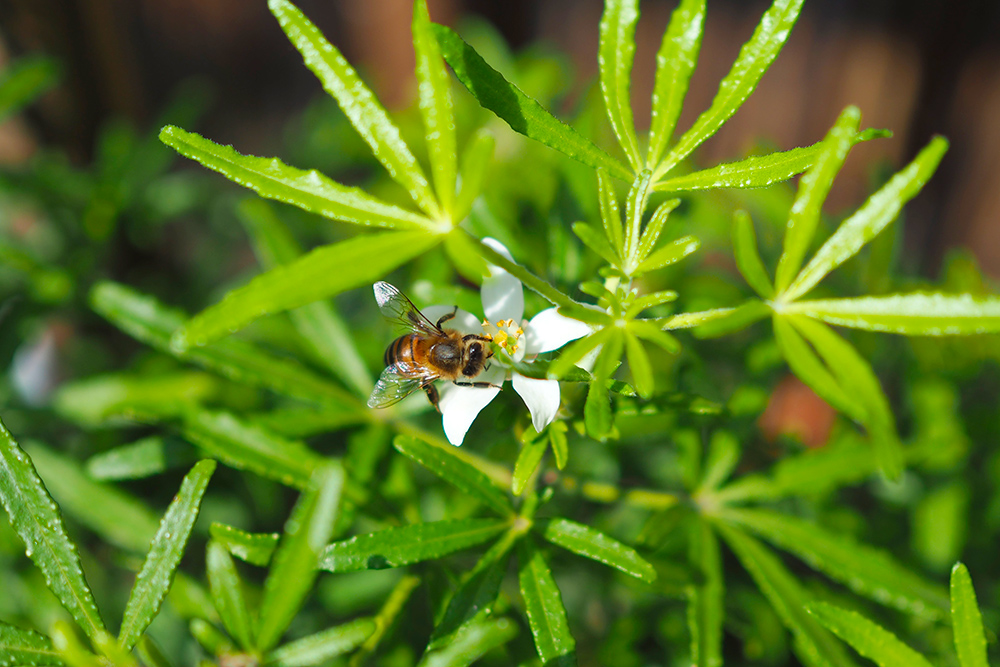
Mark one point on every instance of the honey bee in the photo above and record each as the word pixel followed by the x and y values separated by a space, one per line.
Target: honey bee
pixel 426 353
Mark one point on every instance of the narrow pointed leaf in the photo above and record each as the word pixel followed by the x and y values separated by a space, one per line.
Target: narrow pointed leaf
pixel 913 314
pixel 705 610
pixel 227 594
pixel 435 106
pixel 470 643
pixel 650 332
pixel 614 61
pixel 650 300
pixel 635 206
pixel 26 647
pixel 37 521
pixel 153 580
pixel 244 446
pixel 720 462
pixel 737 319
pixel 855 375
pixel 813 189
pixel 522 113
pixel 590 543
pixel 474 597
pixel 142 458
pixel 320 647
pixel 544 606
pixel 967 621
pixel 449 467
pixel 638 364
pixel 309 190
pixel 396 547
pixel 754 59
pixel 475 166
pixel 669 254
pixel 91 401
pixel 787 598
pixel 147 320
pixel 597 242
pixel 748 259
pixel 294 569
pixel 320 325
pixel 675 62
pixel 874 216
pixel 527 463
pixel 756 171
pixel 866 637
pixel 651 234
pixel 611 215
pixel 575 351
pixel 695 319
pixel 322 273
pixel 254 548
pixel 358 103
pixel 865 570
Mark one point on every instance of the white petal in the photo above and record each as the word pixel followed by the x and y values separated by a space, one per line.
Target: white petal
pixel 548 330
pixel 460 405
pixel 541 397
pixel 463 321
pixel 503 297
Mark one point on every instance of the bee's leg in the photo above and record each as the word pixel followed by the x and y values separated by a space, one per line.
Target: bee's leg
pixel 446 317
pixel 432 395
pixel 478 385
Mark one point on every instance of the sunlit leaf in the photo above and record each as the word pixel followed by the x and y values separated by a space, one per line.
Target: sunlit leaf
pixel 913 314
pixel 36 519
pixel 638 364
pixel 471 642
pixel 544 606
pixel 635 206
pixel 527 462
pixel 227 594
pixel 434 92
pixel 522 113
pixel 753 172
pixel 669 253
pixel 26 647
pixel 611 216
pixel 967 621
pixel 651 234
pixel 357 102
pixel 255 548
pixel 596 241
pixel 614 61
pixel 675 61
pixel 91 401
pixel 309 190
pixel 320 647
pixel 359 261
pixel 165 553
pixel 139 459
pixel 874 216
pixel 866 637
pixel 591 543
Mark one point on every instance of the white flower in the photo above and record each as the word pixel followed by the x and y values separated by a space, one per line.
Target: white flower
pixel 503 305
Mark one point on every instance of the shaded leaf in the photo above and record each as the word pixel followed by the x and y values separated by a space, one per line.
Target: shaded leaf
pixel 748 259
pixel 142 458
pixel 596 242
pixel 471 642
pixel 475 596
pixel 476 161
pixel 254 548
pixel 26 647
pixel 317 648
pixel 737 319
pixel 544 606
pixel 638 364
pixel 705 611
pixel 866 637
pixel 24 80
pixel 590 543
pixel 611 216
pixel 227 594
pixel 651 234
pixel 527 462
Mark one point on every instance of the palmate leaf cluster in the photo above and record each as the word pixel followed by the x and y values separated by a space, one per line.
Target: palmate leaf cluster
pixel 487 545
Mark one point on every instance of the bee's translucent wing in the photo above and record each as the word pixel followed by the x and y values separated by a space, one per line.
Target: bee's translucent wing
pixel 392 387
pixel 400 310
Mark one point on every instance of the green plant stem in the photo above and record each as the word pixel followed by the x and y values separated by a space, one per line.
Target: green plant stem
pixel 385 617
pixel 529 279
pixel 600 492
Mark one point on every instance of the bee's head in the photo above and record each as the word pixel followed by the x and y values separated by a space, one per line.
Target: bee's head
pixel 476 355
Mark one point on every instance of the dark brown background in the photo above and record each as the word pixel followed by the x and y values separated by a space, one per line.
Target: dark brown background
pixel 917 67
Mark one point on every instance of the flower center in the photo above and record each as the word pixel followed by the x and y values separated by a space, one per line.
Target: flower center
pixel 505 333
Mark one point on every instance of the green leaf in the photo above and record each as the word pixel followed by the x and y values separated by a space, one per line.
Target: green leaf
pixel 25 647
pixel 590 543
pixel 614 61
pixel 244 446
pixel 575 351
pixel 320 325
pixel 544 607
pixel 359 261
pixel 675 61
pixel 142 458
pixel 527 462
pixel 650 300
pixel 913 314
pixel 471 642
pixel 522 113
pixel 475 164
pixel 635 206
pixel 970 644
pixel 813 189
pixel 91 401
pixel 320 647
pixel 560 446
pixel 748 259
pixel 855 375
pixel 651 234
pixel 396 547
pixel 866 637
pixel 358 103
pixel 596 241
pixel 754 59
pixel 254 548
pixel 611 215
pixel 475 596
pixel 869 220
pixel 149 321
pixel 669 254
pixel 227 594
pixel 865 570
pixel 449 467
pixel 24 80
pixel 309 190
pixel 434 93
pixel 650 332
pixel 737 319
pixel 153 580
pixel 294 570
pixel 36 519
pixel 705 611
pixel 756 171
pixel 813 643
pixel 696 319
pixel 638 364
pixel 597 414
pixel 723 457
